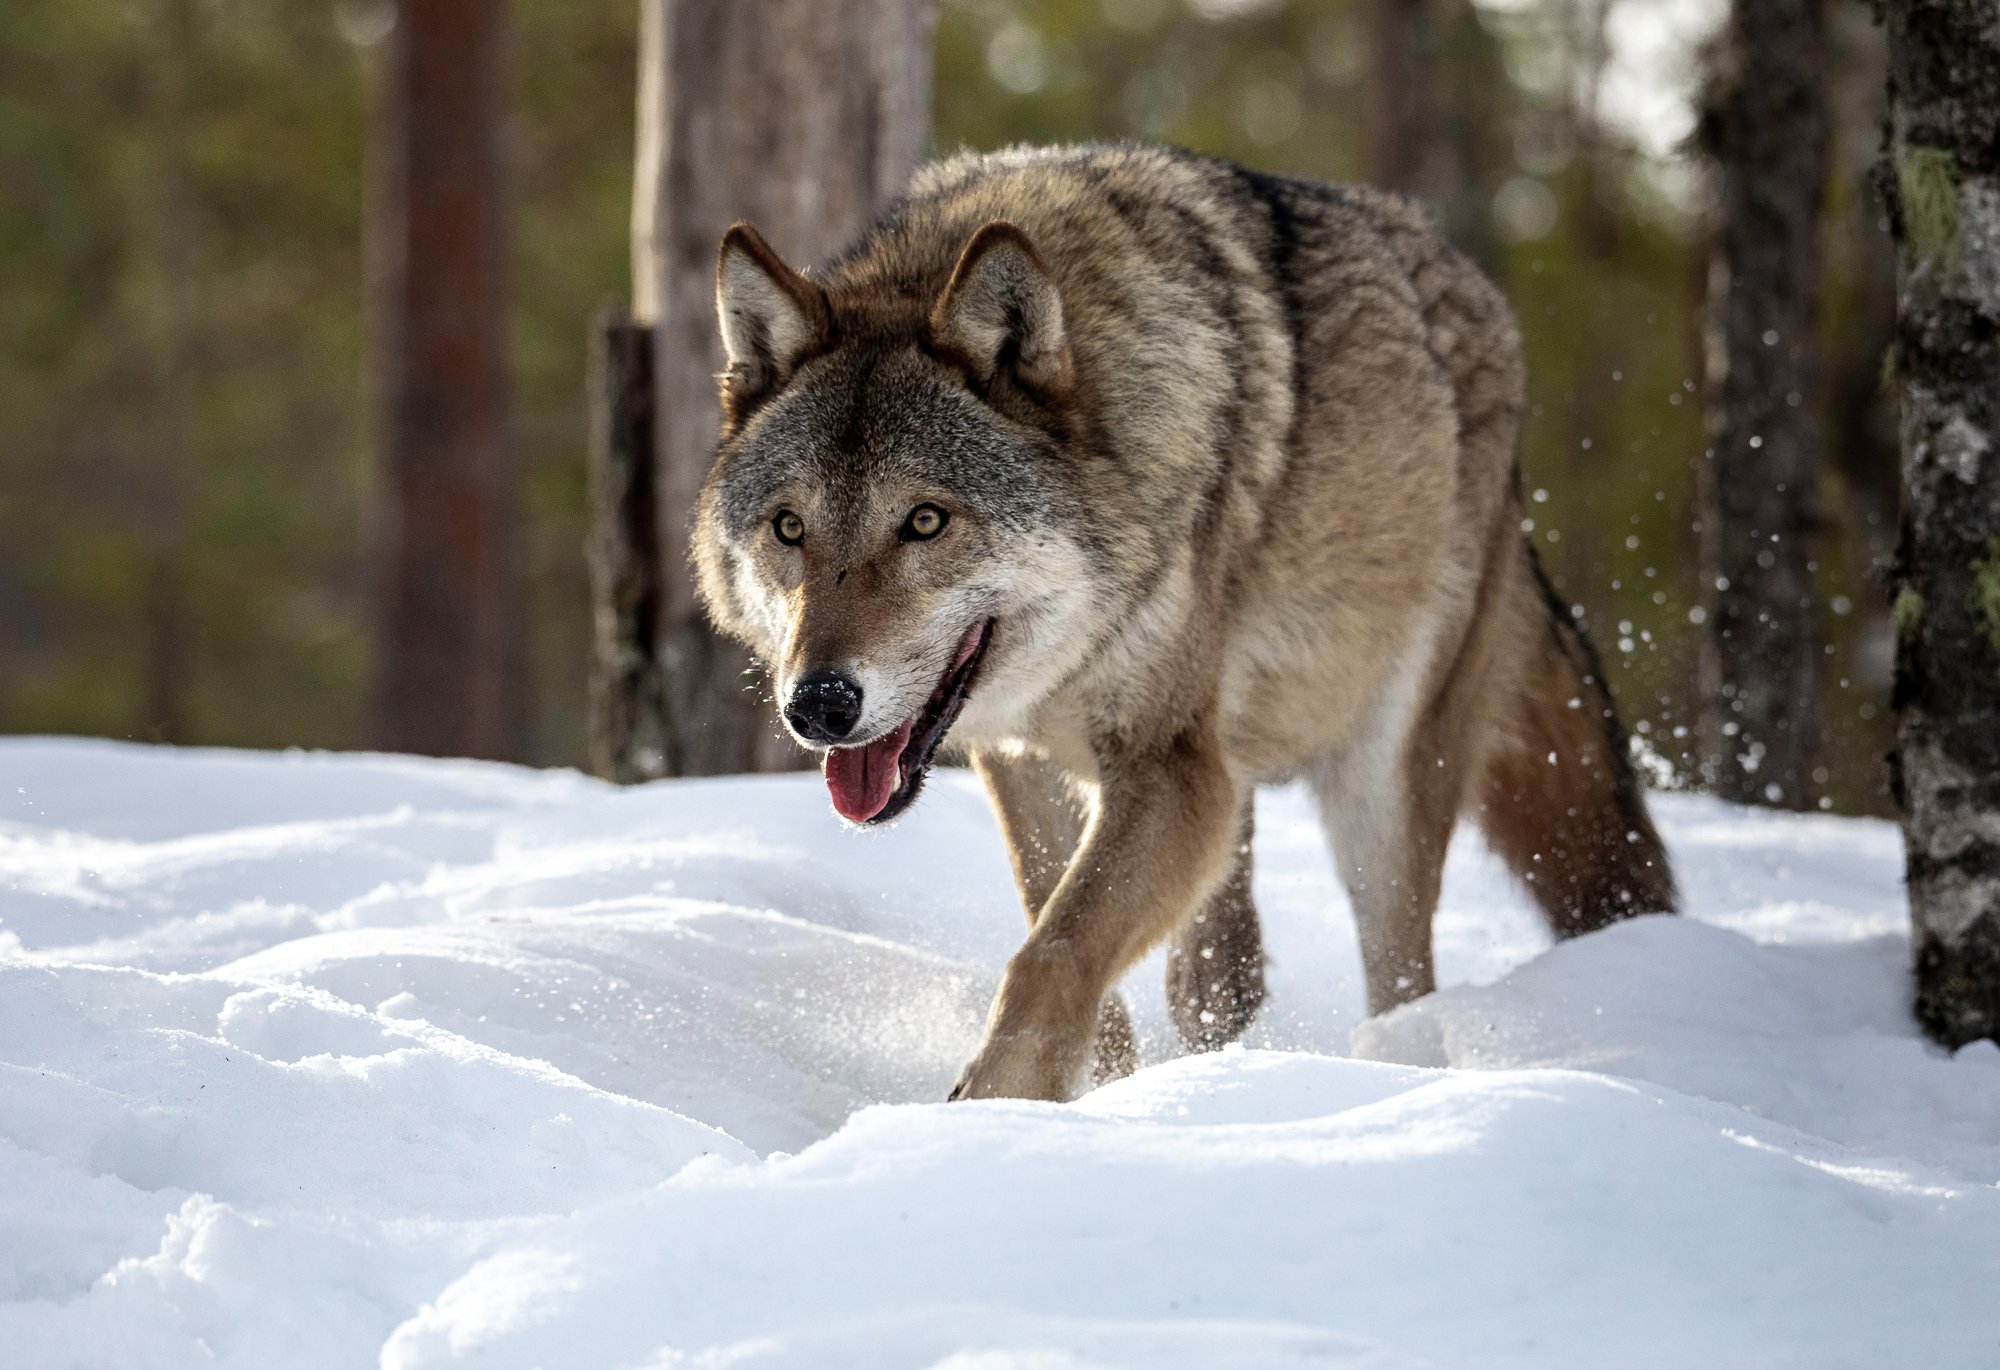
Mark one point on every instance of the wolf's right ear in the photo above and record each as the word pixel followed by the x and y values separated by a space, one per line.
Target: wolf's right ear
pixel 1002 309
pixel 772 317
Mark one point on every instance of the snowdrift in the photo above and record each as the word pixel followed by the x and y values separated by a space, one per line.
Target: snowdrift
pixel 326 1061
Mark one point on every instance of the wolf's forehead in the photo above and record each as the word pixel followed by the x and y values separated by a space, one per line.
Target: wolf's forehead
pixel 851 424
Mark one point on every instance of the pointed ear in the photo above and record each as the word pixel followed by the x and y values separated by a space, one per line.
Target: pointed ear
pixel 772 317
pixel 1002 310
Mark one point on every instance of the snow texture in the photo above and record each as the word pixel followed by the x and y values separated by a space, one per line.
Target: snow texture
pixel 317 1061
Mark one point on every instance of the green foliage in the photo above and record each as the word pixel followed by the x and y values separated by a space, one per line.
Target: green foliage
pixel 1277 85
pixel 256 491
pixel 179 351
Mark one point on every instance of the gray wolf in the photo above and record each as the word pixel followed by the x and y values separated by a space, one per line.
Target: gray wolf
pixel 1142 478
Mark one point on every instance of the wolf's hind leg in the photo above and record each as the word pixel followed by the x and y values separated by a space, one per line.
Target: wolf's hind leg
pixel 1042 822
pixel 1116 1052
pixel 1389 807
pixel 1215 963
pixel 1389 847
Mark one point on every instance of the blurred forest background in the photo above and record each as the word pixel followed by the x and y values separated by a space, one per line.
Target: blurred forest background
pixel 185 431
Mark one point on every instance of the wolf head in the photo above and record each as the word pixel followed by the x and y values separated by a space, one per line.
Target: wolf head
pixel 892 521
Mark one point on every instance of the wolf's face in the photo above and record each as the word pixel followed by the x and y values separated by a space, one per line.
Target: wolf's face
pixel 883 523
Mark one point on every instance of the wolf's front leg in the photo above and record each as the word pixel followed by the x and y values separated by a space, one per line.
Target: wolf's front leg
pixel 1160 842
pixel 1042 820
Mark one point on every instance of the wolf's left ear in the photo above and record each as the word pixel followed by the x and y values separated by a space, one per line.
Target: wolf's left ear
pixel 771 316
pixel 1002 310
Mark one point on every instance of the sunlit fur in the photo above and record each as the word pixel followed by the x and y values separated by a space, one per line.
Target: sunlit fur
pixel 1229 461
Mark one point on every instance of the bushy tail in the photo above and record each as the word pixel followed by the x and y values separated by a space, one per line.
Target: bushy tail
pixel 1560 802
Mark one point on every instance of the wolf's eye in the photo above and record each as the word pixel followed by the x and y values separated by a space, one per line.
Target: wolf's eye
pixel 926 521
pixel 789 527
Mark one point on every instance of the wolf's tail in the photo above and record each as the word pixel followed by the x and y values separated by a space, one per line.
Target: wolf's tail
pixel 1559 801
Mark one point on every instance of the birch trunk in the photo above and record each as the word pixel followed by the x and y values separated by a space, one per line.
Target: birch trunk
pixel 1942 181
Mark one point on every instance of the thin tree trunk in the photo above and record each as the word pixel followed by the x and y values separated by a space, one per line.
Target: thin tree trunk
pixel 1861 433
pixel 1766 127
pixel 1423 125
pixel 446 645
pixel 1593 396
pixel 626 721
pixel 167 230
pixel 1943 188
pixel 1396 121
pixel 804 117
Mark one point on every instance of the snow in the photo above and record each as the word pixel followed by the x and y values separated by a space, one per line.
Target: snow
pixel 315 1061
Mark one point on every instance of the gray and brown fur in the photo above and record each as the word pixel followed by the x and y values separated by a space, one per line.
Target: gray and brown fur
pixel 1230 462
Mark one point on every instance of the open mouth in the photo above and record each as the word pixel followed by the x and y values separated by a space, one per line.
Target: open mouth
pixel 874 782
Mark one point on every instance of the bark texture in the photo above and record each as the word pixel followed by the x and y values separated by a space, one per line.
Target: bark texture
pixel 445 677
pixel 626 724
pixel 803 117
pixel 1942 183
pixel 1766 128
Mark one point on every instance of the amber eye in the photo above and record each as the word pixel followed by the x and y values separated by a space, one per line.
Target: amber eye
pixel 789 527
pixel 926 521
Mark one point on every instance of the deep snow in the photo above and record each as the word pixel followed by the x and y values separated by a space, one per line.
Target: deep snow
pixel 337 1061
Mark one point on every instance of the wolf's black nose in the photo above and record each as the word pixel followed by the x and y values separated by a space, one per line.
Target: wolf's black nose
pixel 824 707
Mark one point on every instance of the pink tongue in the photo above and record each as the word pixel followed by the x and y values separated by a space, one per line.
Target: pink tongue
pixel 861 779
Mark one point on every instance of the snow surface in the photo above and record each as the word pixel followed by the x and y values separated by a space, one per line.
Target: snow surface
pixel 344 1061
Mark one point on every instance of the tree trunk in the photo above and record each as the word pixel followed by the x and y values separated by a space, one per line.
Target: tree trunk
pixel 1397 115
pixel 1598 331
pixel 167 232
pixel 446 642
pixel 627 726
pixel 803 117
pixel 1942 183
pixel 1859 540
pixel 1766 127
pixel 1429 68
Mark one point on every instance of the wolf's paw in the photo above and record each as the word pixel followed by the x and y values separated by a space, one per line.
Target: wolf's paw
pixel 1020 1067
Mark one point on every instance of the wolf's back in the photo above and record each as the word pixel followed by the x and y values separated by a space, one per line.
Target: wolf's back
pixel 1227 324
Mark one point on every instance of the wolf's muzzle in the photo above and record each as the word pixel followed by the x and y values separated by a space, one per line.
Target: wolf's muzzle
pixel 824 706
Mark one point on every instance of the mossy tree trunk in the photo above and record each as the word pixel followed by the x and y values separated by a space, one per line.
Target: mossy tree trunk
pixel 1765 126
pixel 1942 184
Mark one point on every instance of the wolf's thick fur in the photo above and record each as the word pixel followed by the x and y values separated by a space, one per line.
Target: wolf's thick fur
pixel 1227 462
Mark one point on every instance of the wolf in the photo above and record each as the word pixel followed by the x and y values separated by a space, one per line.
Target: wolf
pixel 1141 478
